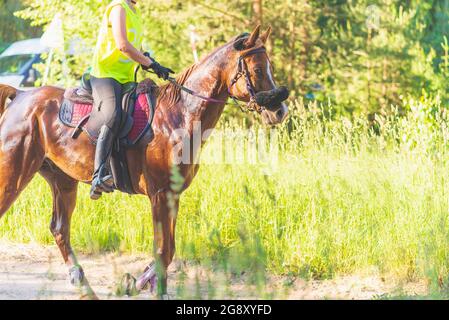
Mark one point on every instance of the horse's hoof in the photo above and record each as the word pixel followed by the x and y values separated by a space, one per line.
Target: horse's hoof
pixel 149 284
pixel 94 195
pixel 76 274
pixel 148 280
pixel 153 283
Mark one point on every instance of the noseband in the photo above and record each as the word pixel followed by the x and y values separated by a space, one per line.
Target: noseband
pixel 242 71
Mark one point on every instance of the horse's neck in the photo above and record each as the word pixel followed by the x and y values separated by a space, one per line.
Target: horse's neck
pixel 207 79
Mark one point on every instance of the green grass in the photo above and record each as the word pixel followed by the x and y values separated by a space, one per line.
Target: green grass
pixel 341 199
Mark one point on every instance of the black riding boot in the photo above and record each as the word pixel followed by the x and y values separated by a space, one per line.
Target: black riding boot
pixel 102 180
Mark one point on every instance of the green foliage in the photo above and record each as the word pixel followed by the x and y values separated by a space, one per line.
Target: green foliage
pixel 3 46
pixel 12 28
pixel 365 56
pixel 376 52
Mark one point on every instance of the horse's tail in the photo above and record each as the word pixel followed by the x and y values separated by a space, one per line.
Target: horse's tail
pixel 5 93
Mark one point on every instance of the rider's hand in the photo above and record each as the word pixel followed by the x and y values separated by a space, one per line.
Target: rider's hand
pixel 161 71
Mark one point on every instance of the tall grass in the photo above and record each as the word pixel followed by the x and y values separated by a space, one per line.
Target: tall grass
pixel 346 195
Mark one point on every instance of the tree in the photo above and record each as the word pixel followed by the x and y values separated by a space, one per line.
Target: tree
pixel 363 55
pixel 12 28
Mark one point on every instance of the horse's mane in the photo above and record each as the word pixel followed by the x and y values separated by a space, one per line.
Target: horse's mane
pixel 171 93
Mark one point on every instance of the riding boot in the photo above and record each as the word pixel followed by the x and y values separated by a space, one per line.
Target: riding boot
pixel 102 180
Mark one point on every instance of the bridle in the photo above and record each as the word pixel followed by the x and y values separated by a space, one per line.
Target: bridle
pixel 242 71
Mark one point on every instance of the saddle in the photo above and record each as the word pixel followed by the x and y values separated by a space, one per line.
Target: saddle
pixel 138 107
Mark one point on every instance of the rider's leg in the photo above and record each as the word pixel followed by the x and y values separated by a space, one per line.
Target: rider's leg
pixel 107 95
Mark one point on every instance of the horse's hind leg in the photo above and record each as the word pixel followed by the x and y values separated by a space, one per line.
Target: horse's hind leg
pixel 64 191
pixel 19 162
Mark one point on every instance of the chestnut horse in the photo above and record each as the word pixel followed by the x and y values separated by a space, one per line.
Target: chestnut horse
pixel 32 139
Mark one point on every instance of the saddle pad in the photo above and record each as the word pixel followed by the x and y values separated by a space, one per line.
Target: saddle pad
pixel 75 114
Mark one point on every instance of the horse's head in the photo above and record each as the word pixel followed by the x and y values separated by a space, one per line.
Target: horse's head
pixel 251 79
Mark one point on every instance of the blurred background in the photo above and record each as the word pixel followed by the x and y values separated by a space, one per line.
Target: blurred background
pixel 363 56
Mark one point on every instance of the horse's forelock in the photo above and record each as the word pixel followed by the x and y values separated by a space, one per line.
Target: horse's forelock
pixel 239 41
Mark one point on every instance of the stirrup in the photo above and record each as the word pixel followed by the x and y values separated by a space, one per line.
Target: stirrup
pixel 100 185
pixel 95 195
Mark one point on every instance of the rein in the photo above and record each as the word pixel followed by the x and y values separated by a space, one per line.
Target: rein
pixel 242 70
pixel 193 93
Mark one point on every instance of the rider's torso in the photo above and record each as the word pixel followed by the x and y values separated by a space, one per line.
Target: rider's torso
pixel 109 61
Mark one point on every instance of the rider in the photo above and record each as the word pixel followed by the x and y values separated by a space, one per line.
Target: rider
pixel 115 59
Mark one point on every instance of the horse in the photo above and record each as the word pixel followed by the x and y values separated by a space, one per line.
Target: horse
pixel 33 140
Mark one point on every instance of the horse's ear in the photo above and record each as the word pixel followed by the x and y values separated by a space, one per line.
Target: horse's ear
pixel 265 35
pixel 253 37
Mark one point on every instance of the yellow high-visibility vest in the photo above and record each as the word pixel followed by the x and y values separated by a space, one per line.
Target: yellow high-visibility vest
pixel 108 60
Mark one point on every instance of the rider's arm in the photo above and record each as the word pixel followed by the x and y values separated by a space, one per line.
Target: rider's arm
pixel 117 19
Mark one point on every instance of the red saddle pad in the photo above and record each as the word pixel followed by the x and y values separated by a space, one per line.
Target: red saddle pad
pixel 141 116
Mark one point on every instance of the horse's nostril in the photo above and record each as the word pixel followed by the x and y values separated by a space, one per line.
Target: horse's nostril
pixel 280 113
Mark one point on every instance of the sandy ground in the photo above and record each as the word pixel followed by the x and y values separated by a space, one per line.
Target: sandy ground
pixel 33 271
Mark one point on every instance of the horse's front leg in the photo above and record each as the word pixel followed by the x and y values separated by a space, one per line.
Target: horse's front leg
pixel 64 191
pixel 165 208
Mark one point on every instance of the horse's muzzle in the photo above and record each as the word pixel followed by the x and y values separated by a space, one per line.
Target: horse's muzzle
pixel 272 99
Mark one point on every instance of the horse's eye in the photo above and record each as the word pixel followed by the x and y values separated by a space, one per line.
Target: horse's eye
pixel 258 71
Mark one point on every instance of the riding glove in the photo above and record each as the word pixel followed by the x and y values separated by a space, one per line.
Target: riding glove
pixel 159 70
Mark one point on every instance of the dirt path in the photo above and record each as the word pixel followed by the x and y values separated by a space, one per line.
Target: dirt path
pixel 33 271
